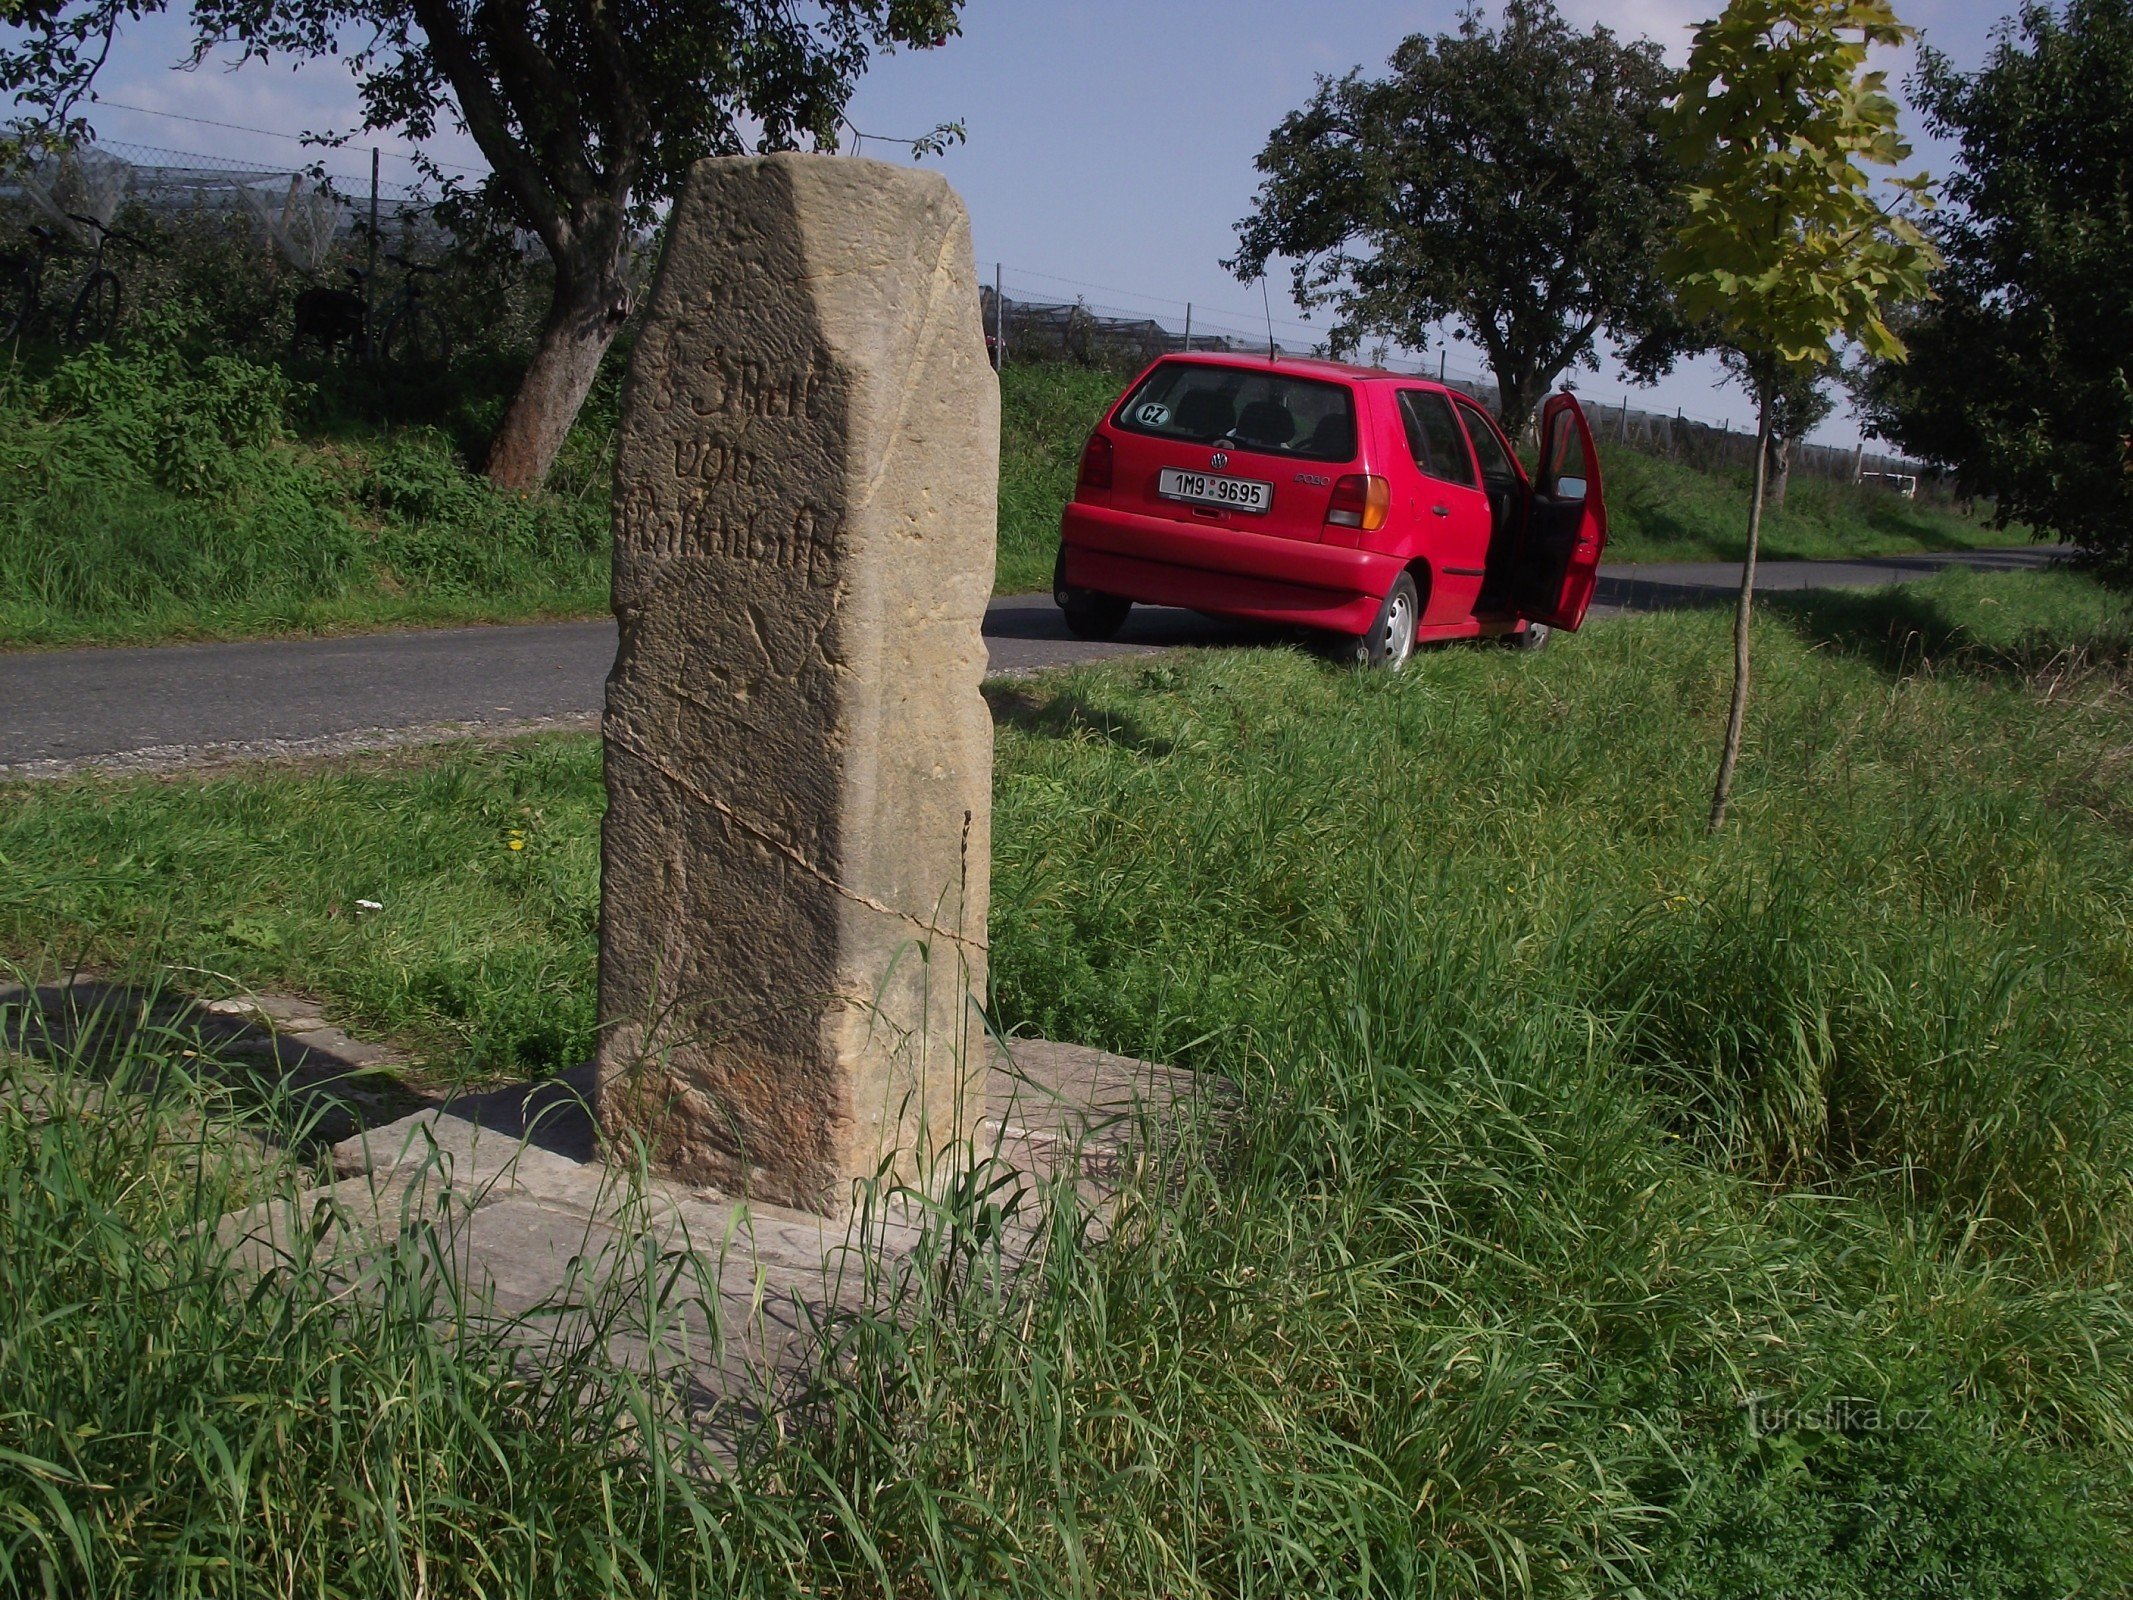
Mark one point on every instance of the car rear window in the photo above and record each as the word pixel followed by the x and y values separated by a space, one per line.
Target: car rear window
pixel 1252 409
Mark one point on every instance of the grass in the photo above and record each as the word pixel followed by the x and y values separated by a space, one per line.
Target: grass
pixel 479 954
pixel 1661 510
pixel 155 494
pixel 151 493
pixel 180 1419
pixel 1609 1206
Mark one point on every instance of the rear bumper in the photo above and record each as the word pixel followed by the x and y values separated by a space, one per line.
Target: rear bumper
pixel 1225 570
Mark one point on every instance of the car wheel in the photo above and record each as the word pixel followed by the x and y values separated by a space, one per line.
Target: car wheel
pixel 1391 639
pixel 1088 614
pixel 1533 636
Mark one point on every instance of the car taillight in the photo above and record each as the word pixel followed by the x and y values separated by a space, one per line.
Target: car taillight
pixel 1096 463
pixel 1360 500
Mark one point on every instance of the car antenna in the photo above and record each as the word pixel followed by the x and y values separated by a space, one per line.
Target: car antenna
pixel 1267 301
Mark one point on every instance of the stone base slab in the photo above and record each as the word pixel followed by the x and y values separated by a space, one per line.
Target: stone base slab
pixel 511 1187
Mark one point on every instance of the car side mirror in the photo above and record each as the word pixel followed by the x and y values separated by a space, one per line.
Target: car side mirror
pixel 1570 488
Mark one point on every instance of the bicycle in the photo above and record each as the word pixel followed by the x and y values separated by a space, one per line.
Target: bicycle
pixel 94 315
pixel 414 340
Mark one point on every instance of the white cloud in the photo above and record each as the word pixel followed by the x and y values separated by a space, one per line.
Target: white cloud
pixel 1668 21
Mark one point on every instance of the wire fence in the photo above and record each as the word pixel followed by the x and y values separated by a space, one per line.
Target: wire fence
pixel 302 210
pixel 1030 316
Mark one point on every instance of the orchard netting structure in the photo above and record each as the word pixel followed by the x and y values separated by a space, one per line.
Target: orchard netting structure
pixel 304 213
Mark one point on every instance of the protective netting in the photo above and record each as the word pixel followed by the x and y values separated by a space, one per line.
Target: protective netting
pixel 300 212
pixel 301 219
pixel 66 185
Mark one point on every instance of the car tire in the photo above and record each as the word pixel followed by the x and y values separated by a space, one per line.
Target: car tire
pixel 1089 614
pixel 1390 643
pixel 1533 636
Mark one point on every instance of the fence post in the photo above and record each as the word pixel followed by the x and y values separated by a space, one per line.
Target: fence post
pixel 1188 327
pixel 1622 423
pixel 999 316
pixel 370 271
pixel 1440 363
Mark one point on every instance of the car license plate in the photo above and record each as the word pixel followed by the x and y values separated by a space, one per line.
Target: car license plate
pixel 1209 489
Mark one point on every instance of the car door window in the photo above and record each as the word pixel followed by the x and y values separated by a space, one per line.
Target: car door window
pixel 1498 472
pixel 1565 473
pixel 1433 437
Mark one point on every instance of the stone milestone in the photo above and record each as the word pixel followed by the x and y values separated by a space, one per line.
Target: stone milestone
pixel 795 860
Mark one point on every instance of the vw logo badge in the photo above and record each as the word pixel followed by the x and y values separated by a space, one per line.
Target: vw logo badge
pixel 1219 462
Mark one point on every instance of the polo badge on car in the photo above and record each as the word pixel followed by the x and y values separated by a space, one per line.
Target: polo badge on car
pixel 1218 461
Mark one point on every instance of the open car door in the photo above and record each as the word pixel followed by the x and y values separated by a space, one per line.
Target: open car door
pixel 1566 521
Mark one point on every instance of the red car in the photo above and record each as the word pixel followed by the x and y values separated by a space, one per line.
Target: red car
pixel 1382 510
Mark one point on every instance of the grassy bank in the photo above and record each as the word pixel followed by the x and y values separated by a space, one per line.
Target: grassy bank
pixel 154 493
pixel 1660 510
pixel 1611 1206
pixel 158 493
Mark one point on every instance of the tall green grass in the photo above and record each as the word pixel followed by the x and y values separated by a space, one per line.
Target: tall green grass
pixel 186 1413
pixel 1662 510
pixel 1603 1208
pixel 1046 412
pixel 151 492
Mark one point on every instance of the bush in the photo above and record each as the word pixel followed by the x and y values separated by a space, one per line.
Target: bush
pixel 151 488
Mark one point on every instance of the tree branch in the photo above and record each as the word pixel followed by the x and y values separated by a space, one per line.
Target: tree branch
pixel 489 121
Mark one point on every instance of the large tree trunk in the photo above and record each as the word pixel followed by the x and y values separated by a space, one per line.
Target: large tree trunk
pixel 1518 402
pixel 1722 791
pixel 590 304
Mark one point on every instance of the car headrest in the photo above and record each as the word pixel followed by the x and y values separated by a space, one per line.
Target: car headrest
pixel 1333 438
pixel 1266 422
pixel 1206 412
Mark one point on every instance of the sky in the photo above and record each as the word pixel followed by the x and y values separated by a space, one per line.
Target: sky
pixel 1110 142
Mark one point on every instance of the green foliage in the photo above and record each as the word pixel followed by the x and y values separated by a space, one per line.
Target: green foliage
pixel 2018 370
pixel 179 1417
pixel 1906 1496
pixel 161 491
pixel 152 490
pixel 1786 246
pixel 206 272
pixel 1661 510
pixel 1512 182
pixel 446 532
pixel 589 118
pixel 186 426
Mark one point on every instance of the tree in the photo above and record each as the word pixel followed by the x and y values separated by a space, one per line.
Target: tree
pixel 2019 371
pixel 1512 182
pixel 1786 246
pixel 1800 402
pixel 589 112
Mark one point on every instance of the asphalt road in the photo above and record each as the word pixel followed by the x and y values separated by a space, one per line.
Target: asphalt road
pixel 177 705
